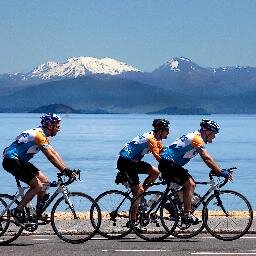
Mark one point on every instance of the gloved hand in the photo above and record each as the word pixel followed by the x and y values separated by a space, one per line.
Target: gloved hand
pixel 69 173
pixel 224 173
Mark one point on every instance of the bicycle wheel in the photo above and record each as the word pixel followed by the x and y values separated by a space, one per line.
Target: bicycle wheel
pixel 154 222
pixel 186 231
pixel 9 230
pixel 114 206
pixel 227 215
pixel 72 219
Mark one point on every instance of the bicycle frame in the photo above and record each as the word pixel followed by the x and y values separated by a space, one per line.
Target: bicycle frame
pixel 61 189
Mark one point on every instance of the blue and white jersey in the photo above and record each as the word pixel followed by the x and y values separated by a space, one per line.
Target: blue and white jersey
pixel 184 148
pixel 27 144
pixel 141 145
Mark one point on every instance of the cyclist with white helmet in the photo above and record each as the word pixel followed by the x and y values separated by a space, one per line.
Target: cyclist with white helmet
pixel 180 152
pixel 16 160
pixel 130 157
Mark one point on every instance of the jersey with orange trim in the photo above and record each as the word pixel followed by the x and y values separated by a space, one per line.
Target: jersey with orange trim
pixel 27 144
pixel 141 145
pixel 184 148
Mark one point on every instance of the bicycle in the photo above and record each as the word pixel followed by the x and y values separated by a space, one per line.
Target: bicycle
pixel 115 205
pixel 75 217
pixel 226 214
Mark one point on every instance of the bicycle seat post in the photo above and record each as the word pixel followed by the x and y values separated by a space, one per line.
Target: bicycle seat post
pixel 18 183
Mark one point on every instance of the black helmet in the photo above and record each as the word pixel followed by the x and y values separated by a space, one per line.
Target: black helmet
pixel 160 124
pixel 210 125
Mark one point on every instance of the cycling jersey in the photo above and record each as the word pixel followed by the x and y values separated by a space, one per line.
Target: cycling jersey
pixel 141 145
pixel 184 148
pixel 27 144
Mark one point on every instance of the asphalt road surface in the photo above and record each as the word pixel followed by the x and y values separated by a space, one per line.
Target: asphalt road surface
pixel 204 244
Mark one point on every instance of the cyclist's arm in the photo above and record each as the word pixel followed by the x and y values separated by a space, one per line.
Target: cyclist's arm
pixel 210 162
pixel 53 157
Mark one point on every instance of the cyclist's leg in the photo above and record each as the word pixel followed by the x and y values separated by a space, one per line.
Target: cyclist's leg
pixel 130 168
pixel 28 173
pixel 188 191
pixel 153 174
pixel 41 195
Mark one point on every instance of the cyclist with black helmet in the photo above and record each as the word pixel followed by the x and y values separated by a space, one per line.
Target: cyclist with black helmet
pixel 180 152
pixel 16 160
pixel 130 157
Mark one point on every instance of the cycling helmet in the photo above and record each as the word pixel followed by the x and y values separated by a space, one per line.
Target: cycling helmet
pixel 49 119
pixel 160 124
pixel 210 125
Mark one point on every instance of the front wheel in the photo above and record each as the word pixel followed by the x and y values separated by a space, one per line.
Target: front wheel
pixel 72 218
pixel 227 215
pixel 153 216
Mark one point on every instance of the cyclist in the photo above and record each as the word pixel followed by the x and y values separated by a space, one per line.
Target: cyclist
pixel 130 157
pixel 16 161
pixel 180 152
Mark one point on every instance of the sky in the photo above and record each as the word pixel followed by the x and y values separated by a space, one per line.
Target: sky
pixel 141 33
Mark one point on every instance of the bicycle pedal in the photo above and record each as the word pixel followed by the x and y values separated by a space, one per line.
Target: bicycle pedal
pixel 31 227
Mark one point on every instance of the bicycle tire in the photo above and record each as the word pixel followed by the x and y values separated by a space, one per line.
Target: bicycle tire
pixel 77 225
pixel 227 227
pixel 11 231
pixel 153 223
pixel 114 206
pixel 185 231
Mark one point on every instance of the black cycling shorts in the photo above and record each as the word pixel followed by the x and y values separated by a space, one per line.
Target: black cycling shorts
pixel 132 169
pixel 24 171
pixel 173 172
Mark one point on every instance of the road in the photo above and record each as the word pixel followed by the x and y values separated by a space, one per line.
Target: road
pixel 36 245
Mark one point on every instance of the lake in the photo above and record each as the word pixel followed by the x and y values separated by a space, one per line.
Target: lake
pixel 92 142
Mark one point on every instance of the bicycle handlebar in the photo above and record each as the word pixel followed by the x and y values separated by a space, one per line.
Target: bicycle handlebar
pixel 212 173
pixel 70 179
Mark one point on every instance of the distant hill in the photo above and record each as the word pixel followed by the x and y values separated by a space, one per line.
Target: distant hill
pixel 108 93
pixel 55 108
pixel 181 111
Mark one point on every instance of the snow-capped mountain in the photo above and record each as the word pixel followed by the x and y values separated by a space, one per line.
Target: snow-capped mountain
pixel 81 66
pixel 175 64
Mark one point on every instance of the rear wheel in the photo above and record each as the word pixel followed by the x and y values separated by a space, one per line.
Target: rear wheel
pixel 227 215
pixel 9 231
pixel 114 206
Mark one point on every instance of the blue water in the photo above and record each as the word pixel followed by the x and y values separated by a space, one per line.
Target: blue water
pixel 92 142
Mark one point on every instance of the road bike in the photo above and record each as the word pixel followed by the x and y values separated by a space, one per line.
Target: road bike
pixel 225 214
pixel 75 217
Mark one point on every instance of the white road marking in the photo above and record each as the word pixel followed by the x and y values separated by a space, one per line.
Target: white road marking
pixel 223 253
pixel 136 250
pixel 40 239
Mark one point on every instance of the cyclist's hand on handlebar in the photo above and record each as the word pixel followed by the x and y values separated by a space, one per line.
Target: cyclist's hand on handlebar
pixel 226 174
pixel 70 173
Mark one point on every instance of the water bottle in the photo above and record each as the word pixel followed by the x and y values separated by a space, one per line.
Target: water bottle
pixel 195 199
pixel 31 208
pixel 174 186
pixel 153 199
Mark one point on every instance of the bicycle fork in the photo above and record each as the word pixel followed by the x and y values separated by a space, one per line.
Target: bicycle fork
pixel 219 202
pixel 65 193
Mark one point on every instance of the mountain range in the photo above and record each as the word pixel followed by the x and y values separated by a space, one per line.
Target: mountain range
pixel 85 83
